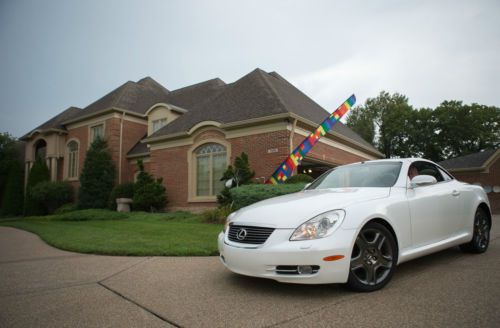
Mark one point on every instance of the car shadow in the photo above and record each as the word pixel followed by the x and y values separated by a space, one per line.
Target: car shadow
pixel 404 271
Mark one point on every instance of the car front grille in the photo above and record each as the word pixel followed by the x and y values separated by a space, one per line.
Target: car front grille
pixel 249 234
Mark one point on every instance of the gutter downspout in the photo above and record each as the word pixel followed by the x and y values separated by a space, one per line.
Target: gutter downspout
pixel 120 152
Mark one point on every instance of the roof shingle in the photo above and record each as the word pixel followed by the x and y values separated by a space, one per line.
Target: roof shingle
pixel 475 160
pixel 56 121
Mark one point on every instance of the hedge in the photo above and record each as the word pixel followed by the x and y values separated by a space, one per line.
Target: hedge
pixel 250 194
pixel 300 178
pixel 49 196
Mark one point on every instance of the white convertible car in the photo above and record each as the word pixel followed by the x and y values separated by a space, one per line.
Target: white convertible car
pixel 355 223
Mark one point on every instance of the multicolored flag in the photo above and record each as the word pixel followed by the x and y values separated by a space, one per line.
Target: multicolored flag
pixel 286 168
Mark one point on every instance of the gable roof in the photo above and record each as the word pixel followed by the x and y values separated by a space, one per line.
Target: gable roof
pixel 55 123
pixel 255 95
pixel 476 161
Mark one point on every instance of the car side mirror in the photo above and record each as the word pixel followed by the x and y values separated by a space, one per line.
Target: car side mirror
pixel 423 180
pixel 306 186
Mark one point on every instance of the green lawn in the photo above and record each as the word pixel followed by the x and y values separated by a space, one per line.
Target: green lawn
pixel 136 233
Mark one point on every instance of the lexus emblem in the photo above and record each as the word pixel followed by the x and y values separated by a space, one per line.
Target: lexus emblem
pixel 241 234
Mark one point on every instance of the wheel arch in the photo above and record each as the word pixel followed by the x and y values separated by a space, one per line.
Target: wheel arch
pixel 387 225
pixel 486 208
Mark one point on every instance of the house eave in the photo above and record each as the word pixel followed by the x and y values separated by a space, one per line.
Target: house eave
pixel 102 112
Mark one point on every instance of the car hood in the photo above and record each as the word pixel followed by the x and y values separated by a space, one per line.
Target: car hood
pixel 290 211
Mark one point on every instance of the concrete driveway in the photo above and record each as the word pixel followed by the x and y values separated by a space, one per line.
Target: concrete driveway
pixel 44 287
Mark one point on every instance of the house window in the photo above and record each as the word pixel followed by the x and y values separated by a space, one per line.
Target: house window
pixel 211 162
pixel 96 131
pixel 72 160
pixel 158 124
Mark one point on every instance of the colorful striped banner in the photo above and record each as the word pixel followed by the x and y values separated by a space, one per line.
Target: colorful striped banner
pixel 286 168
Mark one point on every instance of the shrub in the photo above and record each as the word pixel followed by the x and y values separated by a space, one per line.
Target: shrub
pixel 250 194
pixel 217 215
pixel 97 178
pixel 91 214
pixel 150 197
pixel 13 197
pixel 124 190
pixel 149 194
pixel 49 196
pixel 66 208
pixel 300 178
pixel 241 175
pixel 39 173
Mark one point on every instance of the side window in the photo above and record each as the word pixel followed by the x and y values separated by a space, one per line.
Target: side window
pixel 445 175
pixel 425 168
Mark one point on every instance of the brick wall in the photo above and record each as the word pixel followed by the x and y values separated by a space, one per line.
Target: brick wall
pixel 132 133
pixel 492 178
pixel 327 153
pixel 265 151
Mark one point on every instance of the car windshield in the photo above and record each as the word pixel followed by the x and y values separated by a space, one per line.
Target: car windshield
pixel 367 174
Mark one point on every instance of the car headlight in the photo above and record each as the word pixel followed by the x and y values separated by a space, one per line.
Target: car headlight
pixel 228 221
pixel 320 226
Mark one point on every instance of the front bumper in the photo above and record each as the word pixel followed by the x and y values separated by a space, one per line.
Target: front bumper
pixel 261 261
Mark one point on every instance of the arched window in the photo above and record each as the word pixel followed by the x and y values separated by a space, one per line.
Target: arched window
pixel 40 149
pixel 72 159
pixel 211 162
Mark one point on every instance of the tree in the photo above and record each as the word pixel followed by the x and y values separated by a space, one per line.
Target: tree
pixel 7 157
pixel 13 196
pixel 39 173
pixel 149 194
pixel 98 176
pixel 422 140
pixel 385 122
pixel 465 129
pixel 360 120
pixel 240 174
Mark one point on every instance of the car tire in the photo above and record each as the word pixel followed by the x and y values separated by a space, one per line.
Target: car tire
pixel 374 258
pixel 481 235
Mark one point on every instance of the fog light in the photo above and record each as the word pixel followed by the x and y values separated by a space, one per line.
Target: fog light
pixel 304 269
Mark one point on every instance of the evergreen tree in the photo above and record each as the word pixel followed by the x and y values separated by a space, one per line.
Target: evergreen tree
pixel 149 194
pixel 39 173
pixel 13 197
pixel 98 176
pixel 240 174
pixel 7 156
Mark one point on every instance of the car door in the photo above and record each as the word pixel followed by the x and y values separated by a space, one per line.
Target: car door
pixel 435 210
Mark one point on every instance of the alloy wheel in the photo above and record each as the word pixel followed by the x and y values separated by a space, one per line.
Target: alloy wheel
pixel 372 258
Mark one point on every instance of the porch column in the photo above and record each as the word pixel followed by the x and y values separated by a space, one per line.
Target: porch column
pixel 27 167
pixel 53 169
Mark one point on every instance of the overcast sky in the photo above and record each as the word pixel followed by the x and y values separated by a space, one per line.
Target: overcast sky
pixel 55 54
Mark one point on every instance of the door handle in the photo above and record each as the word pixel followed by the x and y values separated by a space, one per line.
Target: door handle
pixel 455 193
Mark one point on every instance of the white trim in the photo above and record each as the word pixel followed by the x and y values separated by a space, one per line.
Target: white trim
pixel 202 124
pixel 93 121
pixel 167 106
pixel 106 117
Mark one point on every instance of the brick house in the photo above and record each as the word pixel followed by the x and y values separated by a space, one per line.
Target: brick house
pixel 188 136
pixel 482 169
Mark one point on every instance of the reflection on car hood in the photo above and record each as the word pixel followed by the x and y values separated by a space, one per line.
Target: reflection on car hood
pixel 291 210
